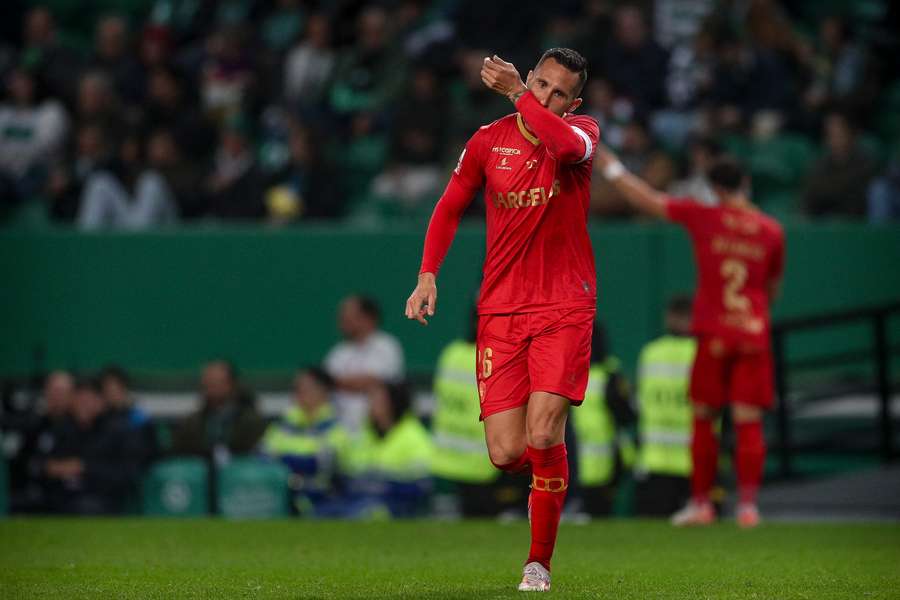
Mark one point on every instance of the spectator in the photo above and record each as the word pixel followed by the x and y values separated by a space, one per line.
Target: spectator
pixel 367 357
pixel 612 112
pixel 368 74
pixel 413 177
pixel 66 179
pixel 304 189
pixel 391 464
pixel 227 74
pixel 640 155
pixel 235 187
pixel 838 181
pixel 884 193
pixel 55 63
pixel 126 195
pixel 115 388
pixel 32 132
pixel 471 103
pixel 97 463
pixel 165 157
pixel 41 439
pixel 227 421
pixel 701 154
pixel 114 56
pixel 309 64
pixel 309 440
pixel 98 103
pixel 282 25
pixel 168 106
pixel 634 63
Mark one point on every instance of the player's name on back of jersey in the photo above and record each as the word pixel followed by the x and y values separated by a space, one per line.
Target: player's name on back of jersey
pixel 535 196
pixel 737 247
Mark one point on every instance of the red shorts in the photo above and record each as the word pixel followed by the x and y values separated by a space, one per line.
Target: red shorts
pixel 727 371
pixel 521 353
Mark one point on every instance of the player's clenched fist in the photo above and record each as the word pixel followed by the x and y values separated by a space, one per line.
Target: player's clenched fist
pixel 502 77
pixel 423 299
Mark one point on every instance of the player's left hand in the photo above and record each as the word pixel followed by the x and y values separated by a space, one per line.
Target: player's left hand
pixel 502 77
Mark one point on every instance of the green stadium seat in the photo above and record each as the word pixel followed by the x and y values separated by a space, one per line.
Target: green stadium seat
pixel 251 488
pixel 780 164
pixel 177 488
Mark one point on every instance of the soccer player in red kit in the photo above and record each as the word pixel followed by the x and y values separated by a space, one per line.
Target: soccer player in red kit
pixel 538 295
pixel 740 257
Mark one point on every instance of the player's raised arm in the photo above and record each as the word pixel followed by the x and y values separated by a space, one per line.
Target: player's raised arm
pixel 637 191
pixel 552 90
pixel 441 230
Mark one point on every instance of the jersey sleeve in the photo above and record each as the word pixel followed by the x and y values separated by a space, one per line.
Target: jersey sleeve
pixel 685 211
pixel 776 267
pixel 568 143
pixel 589 131
pixel 467 178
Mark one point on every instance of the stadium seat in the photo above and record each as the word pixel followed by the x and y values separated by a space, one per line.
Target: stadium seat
pixel 250 488
pixel 780 164
pixel 177 488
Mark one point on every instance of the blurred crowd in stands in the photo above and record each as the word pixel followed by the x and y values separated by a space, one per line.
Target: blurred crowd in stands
pixel 351 442
pixel 151 112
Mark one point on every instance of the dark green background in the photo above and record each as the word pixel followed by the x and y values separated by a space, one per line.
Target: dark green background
pixel 162 303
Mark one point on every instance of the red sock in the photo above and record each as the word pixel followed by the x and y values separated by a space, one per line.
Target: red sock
pixel 705 456
pixel 749 459
pixel 516 466
pixel 549 482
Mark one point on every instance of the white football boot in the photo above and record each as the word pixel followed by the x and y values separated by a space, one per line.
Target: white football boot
pixel 694 514
pixel 535 578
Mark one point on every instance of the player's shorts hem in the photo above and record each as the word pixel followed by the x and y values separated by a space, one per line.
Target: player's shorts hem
pixel 573 396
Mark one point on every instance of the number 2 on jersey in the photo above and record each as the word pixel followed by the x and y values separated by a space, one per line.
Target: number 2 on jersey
pixel 735 274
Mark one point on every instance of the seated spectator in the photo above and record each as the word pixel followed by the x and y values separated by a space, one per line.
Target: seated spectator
pixel 640 155
pixel 838 181
pixel 613 113
pixel 309 64
pixel 126 195
pixel 884 193
pixel 227 421
pixel 309 440
pixel 32 133
pixel 40 439
pixel 166 157
pixel 367 357
pixel 413 177
pixel 235 187
pixel 96 466
pixel 304 188
pixel 361 156
pixel 115 388
pixel 368 74
pixel 282 25
pixel 471 103
pixel 54 61
pixel 169 106
pixel 228 77
pixel 114 56
pixel 99 104
pixel 66 180
pixel 390 469
pixel 634 63
pixel 701 154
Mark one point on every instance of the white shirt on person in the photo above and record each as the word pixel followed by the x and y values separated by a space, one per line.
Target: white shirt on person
pixel 379 355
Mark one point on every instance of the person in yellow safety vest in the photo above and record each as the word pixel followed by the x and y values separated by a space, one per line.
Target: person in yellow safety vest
pixel 664 425
pixel 601 429
pixel 461 464
pixel 390 468
pixel 309 440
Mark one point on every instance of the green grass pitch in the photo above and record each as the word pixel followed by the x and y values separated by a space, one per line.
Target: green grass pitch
pixel 149 558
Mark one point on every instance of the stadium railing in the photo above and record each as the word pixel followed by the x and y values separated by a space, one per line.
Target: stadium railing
pixel 878 353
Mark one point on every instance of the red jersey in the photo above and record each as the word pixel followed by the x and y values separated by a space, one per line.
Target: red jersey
pixel 539 255
pixel 740 256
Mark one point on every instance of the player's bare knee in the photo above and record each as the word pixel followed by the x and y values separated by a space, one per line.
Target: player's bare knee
pixel 745 413
pixel 505 452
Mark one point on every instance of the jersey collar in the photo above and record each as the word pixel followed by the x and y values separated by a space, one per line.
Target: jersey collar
pixel 524 131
